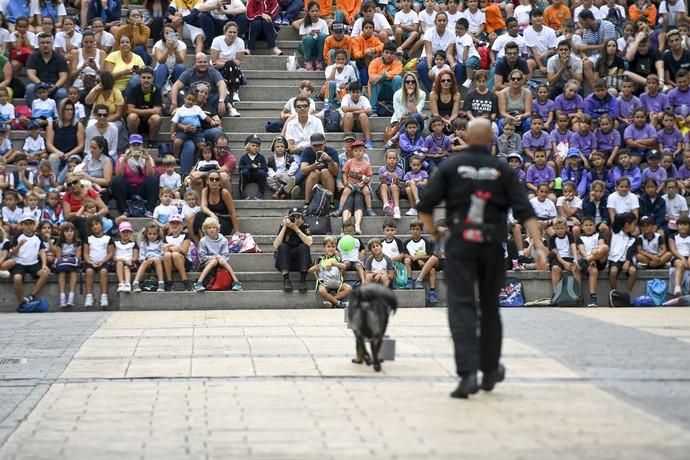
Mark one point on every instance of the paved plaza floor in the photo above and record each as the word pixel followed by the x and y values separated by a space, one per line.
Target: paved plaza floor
pixel 279 384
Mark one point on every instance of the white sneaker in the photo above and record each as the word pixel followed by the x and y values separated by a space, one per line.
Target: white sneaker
pixel 104 300
pixel 63 300
pixel 233 112
pixel 236 97
pixel 411 212
pixel 4 274
pixel 121 287
pixel 358 229
pixel 70 299
pixel 396 213
pixel 88 300
pixel 127 287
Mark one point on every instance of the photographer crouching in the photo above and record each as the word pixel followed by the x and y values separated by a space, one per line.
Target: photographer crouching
pixel 135 174
pixel 292 251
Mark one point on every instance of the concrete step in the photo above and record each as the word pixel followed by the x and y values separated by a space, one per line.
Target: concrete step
pixel 248 122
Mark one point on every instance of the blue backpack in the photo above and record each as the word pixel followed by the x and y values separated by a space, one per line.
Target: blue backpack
pixel 656 289
pixel 37 306
pixel 512 294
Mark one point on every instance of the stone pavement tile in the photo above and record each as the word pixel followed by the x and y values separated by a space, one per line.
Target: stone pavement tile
pixel 201 332
pixel 219 345
pixel 96 368
pixel 268 331
pixel 172 367
pixel 222 367
pixel 324 330
pixel 676 331
pixel 107 348
pixel 329 345
pixel 168 332
pixel 276 345
pixel 342 366
pixel 638 317
pixel 110 331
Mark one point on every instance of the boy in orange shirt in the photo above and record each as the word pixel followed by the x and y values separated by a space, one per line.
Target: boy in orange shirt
pixel 338 40
pixel 556 14
pixel 365 48
pixel 643 10
pixel 495 25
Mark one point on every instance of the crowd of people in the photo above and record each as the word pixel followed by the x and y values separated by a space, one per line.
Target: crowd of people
pixel 589 103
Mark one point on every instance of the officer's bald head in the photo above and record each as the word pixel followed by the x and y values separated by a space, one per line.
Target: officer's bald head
pixel 479 131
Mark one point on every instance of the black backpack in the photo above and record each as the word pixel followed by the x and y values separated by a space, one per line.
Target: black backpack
pixel 619 299
pixel 331 120
pixel 568 293
pixel 320 204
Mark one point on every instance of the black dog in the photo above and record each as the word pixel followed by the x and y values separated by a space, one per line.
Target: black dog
pixel 370 307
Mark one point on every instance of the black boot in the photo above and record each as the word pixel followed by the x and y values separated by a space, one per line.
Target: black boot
pixel 287 285
pixel 490 379
pixel 467 386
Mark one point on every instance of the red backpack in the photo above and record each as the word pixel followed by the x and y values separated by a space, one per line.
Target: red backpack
pixel 221 281
pixel 484 57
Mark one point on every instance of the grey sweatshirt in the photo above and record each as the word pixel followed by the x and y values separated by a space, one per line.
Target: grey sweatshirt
pixel 210 248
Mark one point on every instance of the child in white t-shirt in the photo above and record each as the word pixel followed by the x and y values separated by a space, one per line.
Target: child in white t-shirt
pixel 35 145
pixel 43 108
pixel 355 109
pixel 338 76
pixel 440 65
pixel 6 108
pixel 569 206
pixel 162 212
pixel 171 179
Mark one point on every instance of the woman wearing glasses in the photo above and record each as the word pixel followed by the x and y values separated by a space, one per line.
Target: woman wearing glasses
pixel 408 101
pixel 515 103
pixel 137 32
pixel 72 202
pixel 65 135
pixel 444 99
pixel 216 202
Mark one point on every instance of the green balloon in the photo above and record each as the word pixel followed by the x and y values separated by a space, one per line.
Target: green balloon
pixel 347 243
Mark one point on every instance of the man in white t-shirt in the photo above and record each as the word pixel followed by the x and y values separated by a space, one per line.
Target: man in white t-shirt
pixel 671 11
pixel 382 29
pixel 540 40
pixel 513 35
pixel 298 130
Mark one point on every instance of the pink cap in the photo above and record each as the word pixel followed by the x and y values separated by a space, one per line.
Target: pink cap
pixel 124 227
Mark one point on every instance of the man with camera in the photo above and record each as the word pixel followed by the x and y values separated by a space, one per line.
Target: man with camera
pixel 135 174
pixel 292 251
pixel 144 104
pixel 319 165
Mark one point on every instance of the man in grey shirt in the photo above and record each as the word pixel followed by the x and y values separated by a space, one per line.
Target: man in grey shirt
pixel 561 67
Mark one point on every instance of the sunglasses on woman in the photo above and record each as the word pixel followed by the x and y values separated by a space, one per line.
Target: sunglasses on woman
pixel 73 183
pixel 214 179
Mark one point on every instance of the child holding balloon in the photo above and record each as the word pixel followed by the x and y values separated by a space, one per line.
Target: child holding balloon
pixel 328 270
pixel 351 249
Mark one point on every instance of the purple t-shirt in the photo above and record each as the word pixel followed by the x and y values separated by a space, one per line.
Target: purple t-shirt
pixel 434 144
pixel 677 99
pixel 669 141
pixel 520 173
pixel 542 110
pixel 543 142
pixel 569 105
pixel 647 132
pixel 558 137
pixel 607 141
pixel 389 180
pixel 625 108
pixel 672 172
pixel 659 176
pixel 536 175
pixel 683 173
pixel 585 143
pixel 421 175
pixel 655 104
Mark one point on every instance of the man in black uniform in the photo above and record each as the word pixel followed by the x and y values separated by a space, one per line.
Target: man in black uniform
pixel 478 190
pixel 292 251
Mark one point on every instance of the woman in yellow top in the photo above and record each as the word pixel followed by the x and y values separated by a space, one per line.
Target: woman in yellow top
pixel 137 32
pixel 105 93
pixel 124 65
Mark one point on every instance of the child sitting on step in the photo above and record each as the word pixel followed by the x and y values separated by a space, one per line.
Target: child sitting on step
pixel 328 270
pixel 213 254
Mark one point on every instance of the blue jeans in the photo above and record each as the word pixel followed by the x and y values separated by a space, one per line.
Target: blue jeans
pixel 423 72
pixel 312 47
pixel 363 73
pixel 188 152
pixel 58 95
pixel 160 75
pixel 131 84
pixel 292 10
pixel 141 51
pixel 385 88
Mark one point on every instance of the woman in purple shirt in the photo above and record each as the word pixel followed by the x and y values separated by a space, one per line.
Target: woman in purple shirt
pixel 640 137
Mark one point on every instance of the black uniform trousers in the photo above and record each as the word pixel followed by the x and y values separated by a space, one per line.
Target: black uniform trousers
pixel 467 265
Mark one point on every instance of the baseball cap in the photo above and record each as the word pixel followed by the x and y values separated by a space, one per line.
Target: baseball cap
pixel 654 154
pixel 27 216
pixel 573 152
pixel 349 137
pixel 175 218
pixel 359 143
pixel 253 139
pixel 136 139
pixel 33 124
pixel 338 27
pixel 42 86
pixel 646 220
pixel 124 227
pixel 514 155
pixel 294 212
pixel 317 138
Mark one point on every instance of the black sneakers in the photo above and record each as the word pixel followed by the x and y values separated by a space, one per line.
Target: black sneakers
pixel 287 285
